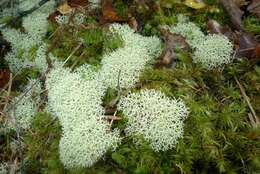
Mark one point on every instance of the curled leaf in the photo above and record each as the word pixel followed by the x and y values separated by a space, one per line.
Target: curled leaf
pixel 64 8
pixel 172 42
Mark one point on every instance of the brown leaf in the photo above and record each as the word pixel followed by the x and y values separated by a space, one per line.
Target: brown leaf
pixel 52 16
pixel 234 13
pixel 109 13
pixel 247 46
pixel 4 77
pixel 254 7
pixel 64 8
pixel 172 42
pixel 77 3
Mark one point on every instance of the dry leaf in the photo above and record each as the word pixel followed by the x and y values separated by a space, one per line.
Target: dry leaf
pixel 64 8
pixel 234 13
pixel 172 42
pixel 109 13
pixel 247 46
pixel 195 4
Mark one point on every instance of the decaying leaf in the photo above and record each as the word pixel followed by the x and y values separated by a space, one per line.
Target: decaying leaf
pixel 172 42
pixel 234 13
pixel 195 4
pixel 247 46
pixel 64 8
pixel 254 7
pixel 109 13
pixel 77 3
pixel 4 77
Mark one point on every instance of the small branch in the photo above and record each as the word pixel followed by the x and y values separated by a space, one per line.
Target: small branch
pixel 112 117
pixel 246 98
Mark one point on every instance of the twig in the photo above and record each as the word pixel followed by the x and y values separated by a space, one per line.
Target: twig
pixel 6 85
pixel 57 29
pixel 72 53
pixel 113 117
pixel 76 62
pixel 246 98
pixel 9 91
pixel 254 123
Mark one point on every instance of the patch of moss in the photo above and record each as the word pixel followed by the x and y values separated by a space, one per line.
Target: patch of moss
pixel 251 24
pixel 41 146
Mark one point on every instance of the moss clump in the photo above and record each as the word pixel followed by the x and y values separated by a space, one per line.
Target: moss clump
pixel 252 24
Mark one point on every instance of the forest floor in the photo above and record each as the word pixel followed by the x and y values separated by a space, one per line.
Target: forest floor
pixel 221 133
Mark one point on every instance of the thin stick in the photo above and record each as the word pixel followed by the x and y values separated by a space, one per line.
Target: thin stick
pixel 6 85
pixel 72 53
pixel 9 91
pixel 246 98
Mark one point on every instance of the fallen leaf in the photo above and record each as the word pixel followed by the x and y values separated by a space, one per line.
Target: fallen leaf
pixel 64 8
pixel 52 16
pixel 172 42
pixel 254 7
pixel 195 4
pixel 247 46
pixel 77 3
pixel 109 13
pixel 4 77
pixel 234 13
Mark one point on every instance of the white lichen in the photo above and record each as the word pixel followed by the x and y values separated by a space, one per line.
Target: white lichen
pixel 77 102
pixel 86 143
pixel 124 66
pixel 22 108
pixel 3 168
pixel 214 51
pixel 62 19
pixel 155 117
pixel 22 43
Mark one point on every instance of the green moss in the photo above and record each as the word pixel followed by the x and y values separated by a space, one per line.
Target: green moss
pixel 252 24
pixel 42 142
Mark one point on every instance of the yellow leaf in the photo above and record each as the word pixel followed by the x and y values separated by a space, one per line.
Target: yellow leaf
pixel 196 4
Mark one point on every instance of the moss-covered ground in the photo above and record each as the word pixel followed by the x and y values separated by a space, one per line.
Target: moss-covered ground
pixel 218 137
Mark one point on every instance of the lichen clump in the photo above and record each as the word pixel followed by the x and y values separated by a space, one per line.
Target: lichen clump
pixel 214 51
pixel 154 116
pixel 123 66
pixel 77 103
